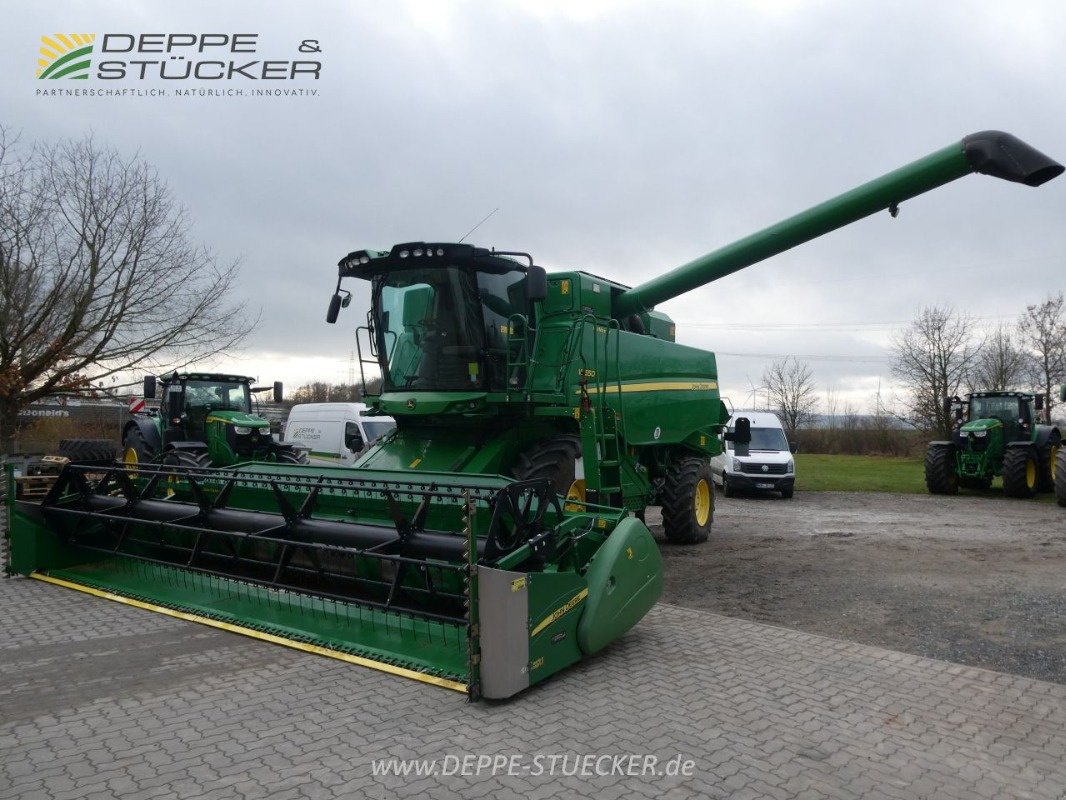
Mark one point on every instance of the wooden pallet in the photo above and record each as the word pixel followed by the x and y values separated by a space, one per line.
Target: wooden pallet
pixel 33 487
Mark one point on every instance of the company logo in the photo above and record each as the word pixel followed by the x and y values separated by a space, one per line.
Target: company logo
pixel 65 55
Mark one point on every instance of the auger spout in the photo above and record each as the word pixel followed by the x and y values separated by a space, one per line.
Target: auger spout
pixel 994 153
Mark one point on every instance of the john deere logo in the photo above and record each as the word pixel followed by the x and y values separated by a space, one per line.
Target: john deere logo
pixel 65 55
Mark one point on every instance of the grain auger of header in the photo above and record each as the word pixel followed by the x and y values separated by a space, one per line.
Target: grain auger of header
pixel 484 586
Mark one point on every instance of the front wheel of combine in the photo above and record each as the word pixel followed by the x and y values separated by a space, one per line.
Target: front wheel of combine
pixel 688 502
pixel 940 476
pixel 1049 454
pixel 1021 470
pixel 1060 477
pixel 554 458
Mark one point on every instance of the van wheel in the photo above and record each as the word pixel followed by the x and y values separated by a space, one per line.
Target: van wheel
pixel 786 494
pixel 727 490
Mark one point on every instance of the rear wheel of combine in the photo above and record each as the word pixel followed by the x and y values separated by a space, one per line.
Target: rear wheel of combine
pixel 1049 454
pixel 554 458
pixel 1021 472
pixel 1060 477
pixel 940 477
pixel 688 502
pixel 88 451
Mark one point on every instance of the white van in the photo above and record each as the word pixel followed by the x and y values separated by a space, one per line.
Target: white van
pixel 335 432
pixel 769 465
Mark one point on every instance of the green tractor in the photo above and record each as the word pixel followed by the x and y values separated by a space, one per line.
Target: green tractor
pixel 204 420
pixel 996 434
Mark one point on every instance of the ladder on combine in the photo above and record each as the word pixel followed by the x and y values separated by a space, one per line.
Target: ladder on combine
pixel 602 433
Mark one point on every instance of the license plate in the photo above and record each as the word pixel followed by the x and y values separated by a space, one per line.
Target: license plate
pixel 764 486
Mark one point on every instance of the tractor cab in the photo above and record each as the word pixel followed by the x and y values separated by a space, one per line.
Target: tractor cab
pixel 1014 412
pixel 191 401
pixel 446 318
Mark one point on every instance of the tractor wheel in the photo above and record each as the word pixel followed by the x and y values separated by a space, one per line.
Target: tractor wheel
pixel 554 458
pixel 688 502
pixel 1060 477
pixel 135 450
pixel 1021 472
pixel 292 456
pixel 186 459
pixel 1049 453
pixel 88 451
pixel 940 477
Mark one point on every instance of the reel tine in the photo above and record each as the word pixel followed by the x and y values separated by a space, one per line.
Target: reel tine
pixel 403 527
pixel 419 521
pixel 308 504
pixel 223 496
pixel 284 506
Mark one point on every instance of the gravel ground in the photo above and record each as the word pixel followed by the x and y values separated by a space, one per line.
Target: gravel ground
pixel 974 580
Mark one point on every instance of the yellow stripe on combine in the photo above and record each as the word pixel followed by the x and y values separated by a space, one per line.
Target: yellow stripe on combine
pixel 560 612
pixel 662 386
pixel 444 683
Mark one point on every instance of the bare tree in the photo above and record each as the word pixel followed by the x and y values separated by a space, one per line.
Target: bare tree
pixel 1043 332
pixel 1000 366
pixel 99 275
pixel 322 392
pixel 790 387
pixel 932 359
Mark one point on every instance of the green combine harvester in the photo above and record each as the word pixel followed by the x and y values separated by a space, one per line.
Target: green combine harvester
pixel 496 536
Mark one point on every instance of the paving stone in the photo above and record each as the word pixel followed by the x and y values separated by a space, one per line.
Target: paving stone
pixel 99 699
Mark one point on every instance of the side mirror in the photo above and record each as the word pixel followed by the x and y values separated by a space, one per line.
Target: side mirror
pixel 793 447
pixel 536 283
pixel 1062 393
pixel 149 387
pixel 1039 401
pixel 279 394
pixel 740 436
pixel 334 309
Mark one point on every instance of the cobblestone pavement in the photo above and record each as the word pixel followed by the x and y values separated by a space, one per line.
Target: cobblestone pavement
pixel 99 700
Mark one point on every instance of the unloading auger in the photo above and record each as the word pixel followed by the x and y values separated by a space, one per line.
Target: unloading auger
pixel 497 535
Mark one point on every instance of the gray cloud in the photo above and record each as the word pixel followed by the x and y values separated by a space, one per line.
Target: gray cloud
pixel 621 139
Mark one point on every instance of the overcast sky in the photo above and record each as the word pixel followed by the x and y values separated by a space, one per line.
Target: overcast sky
pixel 621 138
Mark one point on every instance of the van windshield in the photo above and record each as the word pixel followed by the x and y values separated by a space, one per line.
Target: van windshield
pixel 766 439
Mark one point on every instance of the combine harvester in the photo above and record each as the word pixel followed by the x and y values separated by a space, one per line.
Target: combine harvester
pixel 449 552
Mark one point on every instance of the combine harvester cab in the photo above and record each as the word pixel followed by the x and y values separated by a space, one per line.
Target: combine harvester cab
pixel 488 541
